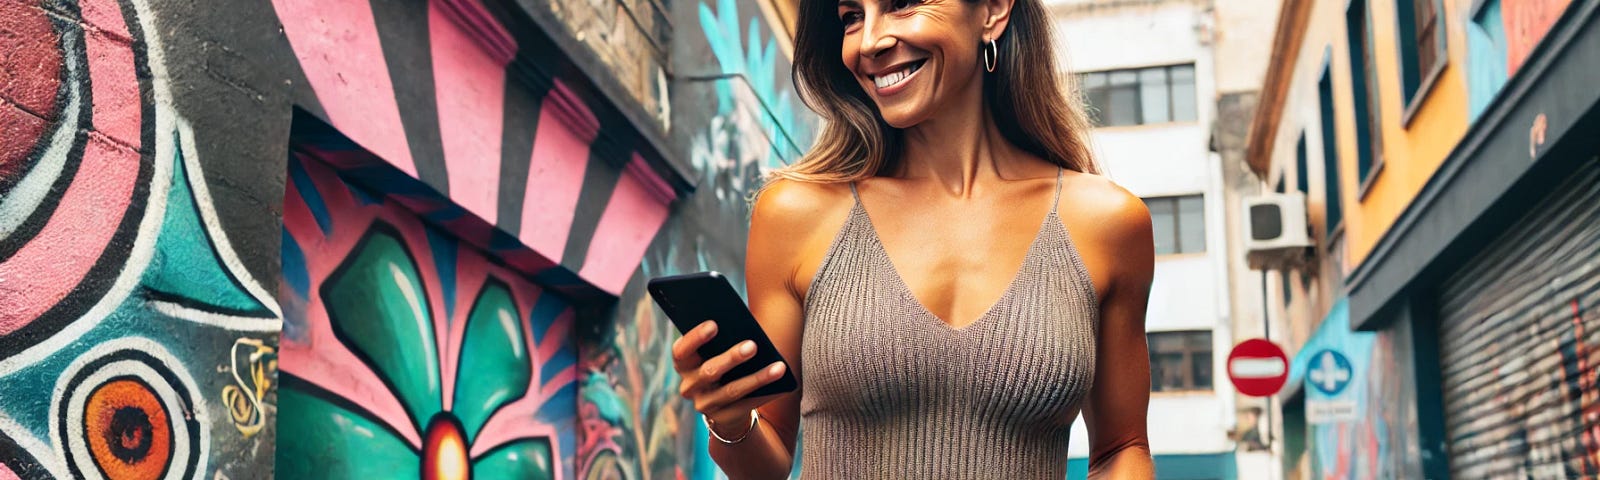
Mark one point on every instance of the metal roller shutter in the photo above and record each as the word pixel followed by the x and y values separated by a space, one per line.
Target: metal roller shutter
pixel 1519 344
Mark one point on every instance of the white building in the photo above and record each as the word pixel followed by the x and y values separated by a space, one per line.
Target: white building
pixel 1149 70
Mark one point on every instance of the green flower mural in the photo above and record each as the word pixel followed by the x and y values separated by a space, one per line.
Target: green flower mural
pixel 419 357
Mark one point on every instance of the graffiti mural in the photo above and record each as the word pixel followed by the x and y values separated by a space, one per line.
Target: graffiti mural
pixel 483 136
pixel 634 423
pixel 405 350
pixel 1380 440
pixel 118 363
pixel 1500 36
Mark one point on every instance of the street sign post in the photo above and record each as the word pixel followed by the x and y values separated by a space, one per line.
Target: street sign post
pixel 1328 374
pixel 1258 368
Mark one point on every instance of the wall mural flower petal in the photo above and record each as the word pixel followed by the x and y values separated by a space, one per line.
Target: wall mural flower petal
pixel 523 459
pixel 377 307
pixel 494 365
pixel 324 431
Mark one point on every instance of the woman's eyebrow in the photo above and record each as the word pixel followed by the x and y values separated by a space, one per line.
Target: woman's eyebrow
pixel 849 3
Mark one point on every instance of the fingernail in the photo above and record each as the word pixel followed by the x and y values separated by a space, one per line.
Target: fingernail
pixel 775 369
pixel 748 347
pixel 711 328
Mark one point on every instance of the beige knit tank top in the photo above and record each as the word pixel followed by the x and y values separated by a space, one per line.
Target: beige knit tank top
pixel 890 391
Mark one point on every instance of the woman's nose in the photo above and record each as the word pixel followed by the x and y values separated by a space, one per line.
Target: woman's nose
pixel 875 38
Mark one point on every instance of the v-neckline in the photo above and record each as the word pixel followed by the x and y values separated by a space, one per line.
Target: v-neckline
pixel 922 308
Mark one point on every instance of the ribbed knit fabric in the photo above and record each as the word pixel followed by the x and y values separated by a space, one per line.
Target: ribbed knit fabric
pixel 890 391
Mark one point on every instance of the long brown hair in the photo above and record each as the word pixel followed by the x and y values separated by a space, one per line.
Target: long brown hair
pixel 1028 99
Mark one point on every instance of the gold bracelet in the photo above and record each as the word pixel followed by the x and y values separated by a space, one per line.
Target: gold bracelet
pixel 754 415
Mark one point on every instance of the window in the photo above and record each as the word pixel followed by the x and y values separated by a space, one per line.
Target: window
pixel 1300 179
pixel 1141 96
pixel 1288 292
pixel 1180 361
pixel 1330 155
pixel 1179 224
pixel 1358 26
pixel 1419 20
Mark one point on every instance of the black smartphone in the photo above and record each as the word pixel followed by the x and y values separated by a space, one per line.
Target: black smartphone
pixel 691 299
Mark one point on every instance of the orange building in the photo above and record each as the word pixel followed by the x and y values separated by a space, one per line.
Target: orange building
pixel 1446 151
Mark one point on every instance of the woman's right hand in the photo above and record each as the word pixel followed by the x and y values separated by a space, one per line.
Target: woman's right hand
pixel 721 401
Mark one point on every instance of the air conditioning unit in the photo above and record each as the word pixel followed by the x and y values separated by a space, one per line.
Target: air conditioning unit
pixel 1277 238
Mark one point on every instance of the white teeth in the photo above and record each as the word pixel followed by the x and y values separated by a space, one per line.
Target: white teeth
pixel 893 78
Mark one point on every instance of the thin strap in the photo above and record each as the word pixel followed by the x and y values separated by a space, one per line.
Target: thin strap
pixel 1057 202
pixel 854 193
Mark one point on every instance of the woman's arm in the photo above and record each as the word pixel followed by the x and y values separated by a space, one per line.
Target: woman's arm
pixel 790 227
pixel 1118 404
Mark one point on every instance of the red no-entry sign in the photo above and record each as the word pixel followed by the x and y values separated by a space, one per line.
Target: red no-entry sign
pixel 1257 367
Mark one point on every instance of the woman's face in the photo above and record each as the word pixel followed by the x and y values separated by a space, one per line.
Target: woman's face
pixel 912 56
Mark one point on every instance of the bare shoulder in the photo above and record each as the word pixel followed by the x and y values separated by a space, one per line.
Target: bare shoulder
pixel 1107 211
pixel 1110 227
pixel 791 225
pixel 788 206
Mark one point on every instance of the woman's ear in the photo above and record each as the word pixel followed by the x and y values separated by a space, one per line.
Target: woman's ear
pixel 996 16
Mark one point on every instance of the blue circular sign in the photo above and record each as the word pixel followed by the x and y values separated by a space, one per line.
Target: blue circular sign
pixel 1329 372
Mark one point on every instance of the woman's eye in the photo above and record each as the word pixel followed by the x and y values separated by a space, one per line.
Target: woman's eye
pixel 850 18
pixel 900 4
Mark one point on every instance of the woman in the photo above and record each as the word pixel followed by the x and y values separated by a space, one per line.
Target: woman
pixel 939 328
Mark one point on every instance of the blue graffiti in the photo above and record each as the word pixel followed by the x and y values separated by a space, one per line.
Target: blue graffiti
pixel 745 54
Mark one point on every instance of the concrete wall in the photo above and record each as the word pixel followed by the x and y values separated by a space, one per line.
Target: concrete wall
pixel 1242 33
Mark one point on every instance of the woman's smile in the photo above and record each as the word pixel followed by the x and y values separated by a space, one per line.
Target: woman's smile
pixel 896 78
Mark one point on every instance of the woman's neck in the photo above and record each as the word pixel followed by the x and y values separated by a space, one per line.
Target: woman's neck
pixel 955 149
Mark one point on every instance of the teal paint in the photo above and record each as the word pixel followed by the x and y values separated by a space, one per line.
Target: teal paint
pixel 1486 58
pixel 1204 466
pixel 184 267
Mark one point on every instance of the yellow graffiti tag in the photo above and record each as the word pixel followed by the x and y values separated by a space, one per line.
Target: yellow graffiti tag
pixel 243 400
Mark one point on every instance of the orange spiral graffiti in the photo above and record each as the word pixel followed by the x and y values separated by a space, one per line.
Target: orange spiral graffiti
pixel 128 430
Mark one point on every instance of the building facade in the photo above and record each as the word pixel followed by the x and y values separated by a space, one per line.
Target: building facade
pixel 1163 83
pixel 360 239
pixel 1443 326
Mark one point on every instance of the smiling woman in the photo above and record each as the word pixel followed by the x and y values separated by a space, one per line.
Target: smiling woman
pixel 841 53
pixel 958 330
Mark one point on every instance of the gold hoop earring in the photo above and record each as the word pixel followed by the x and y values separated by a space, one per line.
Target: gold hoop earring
pixel 991 56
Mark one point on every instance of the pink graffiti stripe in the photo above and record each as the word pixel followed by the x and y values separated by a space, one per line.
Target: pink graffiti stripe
pixel 339 50
pixel 555 175
pixel 107 16
pixel 322 360
pixel 117 104
pixel 629 223
pixel 471 96
pixel 44 270
pixel 519 418
pixel 7 474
